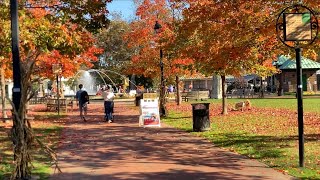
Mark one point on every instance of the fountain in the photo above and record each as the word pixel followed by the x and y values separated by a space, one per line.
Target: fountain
pixel 89 82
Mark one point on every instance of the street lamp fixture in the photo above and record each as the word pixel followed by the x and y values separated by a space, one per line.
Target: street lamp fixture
pixel 157 27
pixel 162 108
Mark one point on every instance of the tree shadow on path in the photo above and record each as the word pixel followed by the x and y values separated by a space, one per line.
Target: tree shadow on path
pixel 123 150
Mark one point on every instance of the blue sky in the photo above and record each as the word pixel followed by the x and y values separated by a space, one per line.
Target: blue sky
pixel 126 7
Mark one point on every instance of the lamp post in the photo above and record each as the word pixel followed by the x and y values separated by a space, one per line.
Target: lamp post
pixel 162 108
pixel 57 69
pixel 16 90
pixel 297 26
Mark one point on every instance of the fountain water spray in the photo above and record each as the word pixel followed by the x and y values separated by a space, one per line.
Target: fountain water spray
pixel 89 82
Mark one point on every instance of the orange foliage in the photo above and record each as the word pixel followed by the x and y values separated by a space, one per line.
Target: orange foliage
pixel 45 40
pixel 230 37
pixel 148 44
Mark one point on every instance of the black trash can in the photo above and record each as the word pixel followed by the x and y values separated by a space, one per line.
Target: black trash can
pixel 280 92
pixel 138 98
pixel 200 117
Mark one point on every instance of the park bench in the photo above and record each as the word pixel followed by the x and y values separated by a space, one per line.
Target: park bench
pixel 52 104
pixel 241 93
pixel 170 96
pixel 248 93
pixel 195 95
pixel 231 93
pixel 37 100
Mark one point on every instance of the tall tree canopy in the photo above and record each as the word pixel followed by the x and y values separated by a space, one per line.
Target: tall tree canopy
pixel 116 54
pixel 89 14
pixel 149 46
pixel 59 33
pixel 232 37
pixel 111 39
pixel 147 43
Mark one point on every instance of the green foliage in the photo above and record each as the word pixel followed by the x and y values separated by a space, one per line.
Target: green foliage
pixel 116 52
pixel 91 15
pixel 4 31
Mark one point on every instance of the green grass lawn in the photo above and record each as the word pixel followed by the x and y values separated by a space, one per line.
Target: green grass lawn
pixel 309 105
pixel 48 133
pixel 268 132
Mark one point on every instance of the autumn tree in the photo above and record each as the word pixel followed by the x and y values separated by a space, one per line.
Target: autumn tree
pixel 47 36
pixel 91 15
pixel 221 37
pixel 176 61
pixel 231 37
pixel 147 44
pixel 4 51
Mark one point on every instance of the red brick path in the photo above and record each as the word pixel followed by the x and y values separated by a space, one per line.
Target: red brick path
pixel 122 150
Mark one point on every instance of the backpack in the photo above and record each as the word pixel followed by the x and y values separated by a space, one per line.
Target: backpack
pixel 84 97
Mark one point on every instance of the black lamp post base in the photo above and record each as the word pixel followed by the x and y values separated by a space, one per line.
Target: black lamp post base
pixel 163 112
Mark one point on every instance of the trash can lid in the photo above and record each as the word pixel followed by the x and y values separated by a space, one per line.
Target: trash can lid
pixel 194 104
pixel 200 105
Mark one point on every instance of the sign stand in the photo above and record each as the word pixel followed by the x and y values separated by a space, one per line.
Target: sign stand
pixel 149 113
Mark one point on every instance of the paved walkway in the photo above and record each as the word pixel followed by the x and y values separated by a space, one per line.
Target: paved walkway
pixel 123 151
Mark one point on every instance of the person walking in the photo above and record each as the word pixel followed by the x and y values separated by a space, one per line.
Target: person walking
pixel 82 101
pixel 108 97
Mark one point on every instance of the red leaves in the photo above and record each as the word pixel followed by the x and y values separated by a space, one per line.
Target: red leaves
pixel 142 38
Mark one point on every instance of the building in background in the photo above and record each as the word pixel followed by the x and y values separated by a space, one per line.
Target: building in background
pixel 287 80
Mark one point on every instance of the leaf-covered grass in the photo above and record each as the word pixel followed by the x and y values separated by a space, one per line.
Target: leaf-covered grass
pixel 309 104
pixel 49 135
pixel 268 132
pixel 5 153
pixel 46 131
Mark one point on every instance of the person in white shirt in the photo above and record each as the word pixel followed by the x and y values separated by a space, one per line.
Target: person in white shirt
pixel 108 97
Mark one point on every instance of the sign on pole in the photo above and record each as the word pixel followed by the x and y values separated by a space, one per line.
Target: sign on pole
pixel 297 27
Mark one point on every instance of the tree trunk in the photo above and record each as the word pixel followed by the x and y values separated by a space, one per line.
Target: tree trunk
pixel 280 89
pixel 216 92
pixel 261 88
pixel 22 140
pixel 21 132
pixel 178 99
pixel 3 94
pixel 163 108
pixel 132 83
pixel 224 97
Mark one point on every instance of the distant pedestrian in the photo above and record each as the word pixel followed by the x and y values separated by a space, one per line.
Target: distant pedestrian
pixel 170 88
pixel 82 101
pixel 108 97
